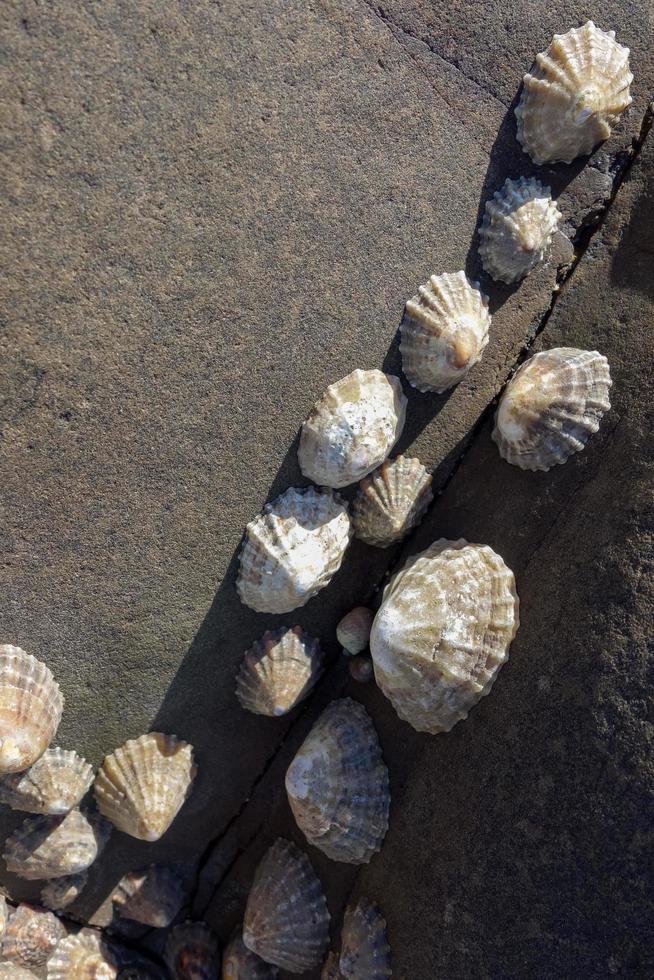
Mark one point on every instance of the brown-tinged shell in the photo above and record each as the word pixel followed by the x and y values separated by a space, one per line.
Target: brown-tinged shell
pixel 142 785
pixel 31 936
pixel 240 963
pixel 152 896
pixel 365 953
pixel 84 956
pixel 54 784
pixel 391 501
pixel 192 952
pixel 61 892
pixel 30 709
pixel 286 919
pixel 278 671
pixel 50 847
pixel 353 631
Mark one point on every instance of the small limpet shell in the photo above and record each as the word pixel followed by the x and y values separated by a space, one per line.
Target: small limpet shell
pixel 142 785
pixel 365 953
pixel 575 92
pixel 517 229
pixel 337 785
pixel 152 896
pixel 61 892
pixel 278 671
pixel 443 332
pixel 352 428
pixel 391 501
pixel 31 936
pixel 30 709
pixel 443 632
pixel 192 952
pixel 54 784
pixel 353 631
pixel 240 963
pixel 286 919
pixel 50 847
pixel 293 549
pixel 551 407
pixel 82 957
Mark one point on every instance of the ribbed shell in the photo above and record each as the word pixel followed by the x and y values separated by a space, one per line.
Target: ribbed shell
pixel 82 957
pixel 293 549
pixel 444 331
pixel 192 952
pixel 54 784
pixel 286 919
pixel 142 785
pixel 352 428
pixel 365 953
pixel 517 229
pixel 152 896
pixel 391 501
pixel 278 671
pixel 61 892
pixel 240 963
pixel 11 971
pixel 31 936
pixel 443 632
pixel 51 847
pixel 353 631
pixel 551 407
pixel 575 92
pixel 337 785
pixel 30 709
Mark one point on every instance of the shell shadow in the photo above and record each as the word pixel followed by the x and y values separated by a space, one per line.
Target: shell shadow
pixel 632 263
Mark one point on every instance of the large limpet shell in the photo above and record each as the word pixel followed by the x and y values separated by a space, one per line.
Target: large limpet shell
pixel 391 501
pixel 286 919
pixel 293 549
pixel 61 892
pixel 82 957
pixel 152 896
pixel 443 632
pixel 31 936
pixel 337 784
pixel 52 846
pixel 443 332
pixel 353 631
pixel 365 953
pixel 278 671
pixel 575 92
pixel 192 952
pixel 551 407
pixel 142 785
pixel 240 963
pixel 54 784
pixel 30 708
pixel 517 229
pixel 352 428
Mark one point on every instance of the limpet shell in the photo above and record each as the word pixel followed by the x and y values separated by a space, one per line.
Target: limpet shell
pixel 61 892
pixel 142 785
pixel 293 549
pixel 352 428
pixel 286 919
pixel 360 669
pixel 575 92
pixel 391 501
pixel 54 784
pixel 517 228
pixel 443 632
pixel 551 407
pixel 278 671
pixel 192 952
pixel 152 896
pixel 443 332
pixel 365 953
pixel 82 957
pixel 240 963
pixel 30 709
pixel 31 936
pixel 353 631
pixel 47 846
pixel 337 785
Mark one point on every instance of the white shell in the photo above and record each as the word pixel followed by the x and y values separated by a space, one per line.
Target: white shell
pixel 31 936
pixel 444 331
pixel 337 785
pixel 517 229
pixel 353 631
pixel 54 784
pixel 293 549
pixel 278 671
pixel 82 957
pixel 551 407
pixel 391 501
pixel 240 963
pixel 54 847
pixel 575 92
pixel 61 892
pixel 365 953
pixel 142 786
pixel 443 632
pixel 192 952
pixel 352 428
pixel 30 709
pixel 153 896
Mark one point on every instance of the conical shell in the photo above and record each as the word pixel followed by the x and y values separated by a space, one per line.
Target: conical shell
pixel 444 331
pixel 240 963
pixel 61 892
pixel 352 428
pixel 142 785
pixel 575 92
pixel 551 407
pixel 293 549
pixel 391 501
pixel 31 936
pixel 192 952
pixel 11 971
pixel 365 953
pixel 30 709
pixel 82 957
pixel 54 784
pixel 353 631
pixel 517 229
pixel 330 970
pixel 337 785
pixel 278 671
pixel 286 919
pixel 443 632
pixel 153 896
pixel 51 847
